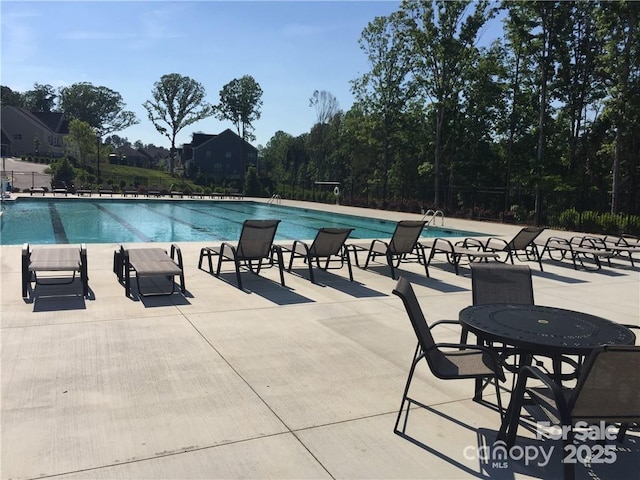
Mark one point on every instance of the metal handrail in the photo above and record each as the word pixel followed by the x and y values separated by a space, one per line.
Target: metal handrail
pixel 275 199
pixel 434 214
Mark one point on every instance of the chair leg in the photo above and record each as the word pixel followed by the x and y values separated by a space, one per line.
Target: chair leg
pixel 405 399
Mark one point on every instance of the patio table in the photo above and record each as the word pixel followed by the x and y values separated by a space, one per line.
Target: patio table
pixel 548 331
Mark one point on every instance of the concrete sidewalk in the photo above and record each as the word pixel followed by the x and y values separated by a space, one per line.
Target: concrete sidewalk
pixel 271 382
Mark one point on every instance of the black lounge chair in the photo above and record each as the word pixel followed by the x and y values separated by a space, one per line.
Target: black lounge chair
pixel 51 262
pixel 254 247
pixel 148 263
pixel 607 391
pixel 328 246
pixel 521 246
pixel 403 246
pixel 578 249
pixel 455 251
pixel 447 361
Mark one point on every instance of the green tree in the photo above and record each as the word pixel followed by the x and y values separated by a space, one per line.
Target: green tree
pixel 618 24
pixel 100 107
pixel 252 187
pixel 240 102
pixel 63 172
pixel 440 37
pixel 41 99
pixel 384 91
pixel 9 97
pixel 178 101
pixel 81 139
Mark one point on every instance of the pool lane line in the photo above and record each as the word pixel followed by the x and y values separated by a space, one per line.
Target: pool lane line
pixel 141 235
pixel 345 224
pixel 59 232
pixel 167 217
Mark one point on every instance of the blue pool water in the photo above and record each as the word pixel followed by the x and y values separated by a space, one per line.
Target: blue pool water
pixel 49 221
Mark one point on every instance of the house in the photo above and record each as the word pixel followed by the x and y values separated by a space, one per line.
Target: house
pixel 225 156
pixel 127 155
pixel 33 133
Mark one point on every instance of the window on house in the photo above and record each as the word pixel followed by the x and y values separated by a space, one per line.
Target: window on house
pixel 17 136
pixel 208 154
pixel 227 154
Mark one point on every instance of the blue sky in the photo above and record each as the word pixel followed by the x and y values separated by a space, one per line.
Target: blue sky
pixel 291 48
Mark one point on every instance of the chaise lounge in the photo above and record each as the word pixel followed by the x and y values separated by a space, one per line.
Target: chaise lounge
pixel 148 263
pixel 253 248
pixel 51 262
pixel 328 246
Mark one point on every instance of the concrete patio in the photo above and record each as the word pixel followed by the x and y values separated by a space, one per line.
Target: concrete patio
pixel 271 382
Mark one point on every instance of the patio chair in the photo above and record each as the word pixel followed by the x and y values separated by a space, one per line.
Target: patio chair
pixel 521 245
pixel 403 246
pixel 148 263
pixel 578 249
pixel 254 247
pixel 500 283
pixel 328 246
pixel 51 262
pixel 447 361
pixel 607 391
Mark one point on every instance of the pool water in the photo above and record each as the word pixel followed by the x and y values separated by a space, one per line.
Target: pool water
pixel 65 221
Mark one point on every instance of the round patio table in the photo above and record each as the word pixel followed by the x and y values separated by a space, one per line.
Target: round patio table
pixel 547 331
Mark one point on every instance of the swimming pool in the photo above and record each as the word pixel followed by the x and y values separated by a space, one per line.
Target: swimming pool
pixel 52 221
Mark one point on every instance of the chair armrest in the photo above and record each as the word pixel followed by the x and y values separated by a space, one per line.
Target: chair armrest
pixel 175 251
pixel 472 242
pixel 504 245
pixel 304 246
pixel 447 322
pixel 481 348
pixel 226 245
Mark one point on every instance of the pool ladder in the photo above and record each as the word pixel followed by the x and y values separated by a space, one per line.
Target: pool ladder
pixel 275 199
pixel 434 214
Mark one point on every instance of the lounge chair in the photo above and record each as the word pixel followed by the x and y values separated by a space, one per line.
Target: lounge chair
pixel 51 262
pixel 60 188
pixel 607 392
pixel 254 247
pixel 148 263
pixel 521 245
pixel 455 251
pixel 105 190
pixel 620 246
pixel 328 246
pixel 83 190
pixel 403 246
pixel 447 361
pixel 41 190
pixel 578 249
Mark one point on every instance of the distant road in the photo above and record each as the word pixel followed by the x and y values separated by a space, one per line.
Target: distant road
pixel 21 172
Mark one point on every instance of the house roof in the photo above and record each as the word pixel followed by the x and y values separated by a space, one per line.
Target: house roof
pixel 53 121
pixel 226 133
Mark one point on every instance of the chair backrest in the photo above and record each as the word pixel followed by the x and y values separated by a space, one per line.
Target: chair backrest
pixel 406 235
pixel 329 241
pixel 256 238
pixel 609 386
pixel 404 290
pixel 501 283
pixel 524 238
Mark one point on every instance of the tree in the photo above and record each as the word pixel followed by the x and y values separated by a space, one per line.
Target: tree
pixel 41 99
pixel 383 91
pixel 240 102
pixel 178 101
pixel 81 139
pixel 63 172
pixel 326 105
pixel 9 97
pixel 252 187
pixel 100 107
pixel 440 39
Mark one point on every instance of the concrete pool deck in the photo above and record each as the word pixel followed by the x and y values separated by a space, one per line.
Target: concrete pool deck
pixel 271 382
